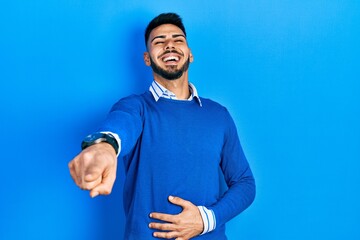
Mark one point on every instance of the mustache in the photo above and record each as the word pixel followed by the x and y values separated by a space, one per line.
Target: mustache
pixel 171 51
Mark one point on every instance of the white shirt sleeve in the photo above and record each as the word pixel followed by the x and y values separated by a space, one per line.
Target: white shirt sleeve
pixel 208 218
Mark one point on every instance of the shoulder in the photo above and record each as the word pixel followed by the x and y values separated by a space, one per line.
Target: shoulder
pixel 211 105
pixel 218 112
pixel 134 101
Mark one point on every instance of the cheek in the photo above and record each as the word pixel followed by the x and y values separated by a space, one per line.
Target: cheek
pixel 186 51
pixel 155 53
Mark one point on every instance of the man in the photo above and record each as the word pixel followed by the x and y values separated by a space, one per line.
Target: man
pixel 176 146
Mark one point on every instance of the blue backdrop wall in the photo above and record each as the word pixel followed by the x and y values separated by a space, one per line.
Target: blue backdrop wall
pixel 288 71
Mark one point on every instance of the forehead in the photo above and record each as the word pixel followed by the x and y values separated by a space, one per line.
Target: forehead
pixel 165 29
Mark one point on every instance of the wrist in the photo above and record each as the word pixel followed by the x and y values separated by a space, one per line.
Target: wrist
pixel 97 138
pixel 106 147
pixel 208 218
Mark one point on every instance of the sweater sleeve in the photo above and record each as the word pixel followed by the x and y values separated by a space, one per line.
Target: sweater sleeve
pixel 238 177
pixel 126 120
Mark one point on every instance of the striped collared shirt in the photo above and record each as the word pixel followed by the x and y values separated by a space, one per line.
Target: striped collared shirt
pixel 159 91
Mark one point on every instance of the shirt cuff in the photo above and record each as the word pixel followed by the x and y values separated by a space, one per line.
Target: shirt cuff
pixel 208 218
pixel 118 140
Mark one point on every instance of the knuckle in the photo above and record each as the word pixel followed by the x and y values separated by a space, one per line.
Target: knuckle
pixel 87 156
pixel 168 235
pixel 167 227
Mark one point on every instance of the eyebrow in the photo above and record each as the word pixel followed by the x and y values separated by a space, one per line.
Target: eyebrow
pixel 174 36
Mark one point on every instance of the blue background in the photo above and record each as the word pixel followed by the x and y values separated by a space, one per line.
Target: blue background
pixel 288 71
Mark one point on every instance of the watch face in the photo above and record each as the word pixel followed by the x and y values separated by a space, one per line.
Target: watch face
pixel 97 138
pixel 92 137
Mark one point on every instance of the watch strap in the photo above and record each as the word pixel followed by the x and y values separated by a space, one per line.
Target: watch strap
pixel 98 138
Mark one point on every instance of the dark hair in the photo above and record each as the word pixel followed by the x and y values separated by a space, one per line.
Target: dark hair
pixel 164 18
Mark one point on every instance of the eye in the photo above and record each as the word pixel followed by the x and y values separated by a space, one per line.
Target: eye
pixel 179 40
pixel 157 43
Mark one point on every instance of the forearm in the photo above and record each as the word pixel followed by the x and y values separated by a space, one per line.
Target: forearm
pixel 235 200
pixel 238 177
pixel 124 124
pixel 117 138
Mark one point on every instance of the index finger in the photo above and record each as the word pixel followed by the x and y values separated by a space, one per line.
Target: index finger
pixel 92 173
pixel 92 168
pixel 163 217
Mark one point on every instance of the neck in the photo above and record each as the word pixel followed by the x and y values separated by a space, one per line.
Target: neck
pixel 180 86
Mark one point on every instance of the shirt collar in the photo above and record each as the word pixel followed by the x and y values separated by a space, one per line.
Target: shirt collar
pixel 159 91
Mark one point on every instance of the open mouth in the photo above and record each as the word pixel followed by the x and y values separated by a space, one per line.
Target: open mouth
pixel 170 59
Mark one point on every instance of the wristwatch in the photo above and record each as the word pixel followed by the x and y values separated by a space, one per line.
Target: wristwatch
pixel 99 137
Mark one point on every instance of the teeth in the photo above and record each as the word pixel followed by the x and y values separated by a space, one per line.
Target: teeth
pixel 171 58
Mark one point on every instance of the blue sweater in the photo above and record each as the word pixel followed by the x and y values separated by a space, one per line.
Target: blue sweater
pixel 179 148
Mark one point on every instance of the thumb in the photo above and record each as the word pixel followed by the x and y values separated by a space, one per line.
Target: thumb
pixel 178 201
pixel 104 188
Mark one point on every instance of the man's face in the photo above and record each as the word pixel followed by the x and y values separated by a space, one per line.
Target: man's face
pixel 168 53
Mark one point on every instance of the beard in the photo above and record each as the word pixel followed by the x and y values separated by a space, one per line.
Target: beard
pixel 171 73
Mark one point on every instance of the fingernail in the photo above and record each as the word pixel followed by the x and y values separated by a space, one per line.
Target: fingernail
pixel 95 194
pixel 171 197
pixel 150 215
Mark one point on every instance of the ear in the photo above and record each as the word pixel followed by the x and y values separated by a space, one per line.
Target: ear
pixel 191 57
pixel 147 59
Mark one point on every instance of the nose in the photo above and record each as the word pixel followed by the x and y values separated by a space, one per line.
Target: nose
pixel 169 45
